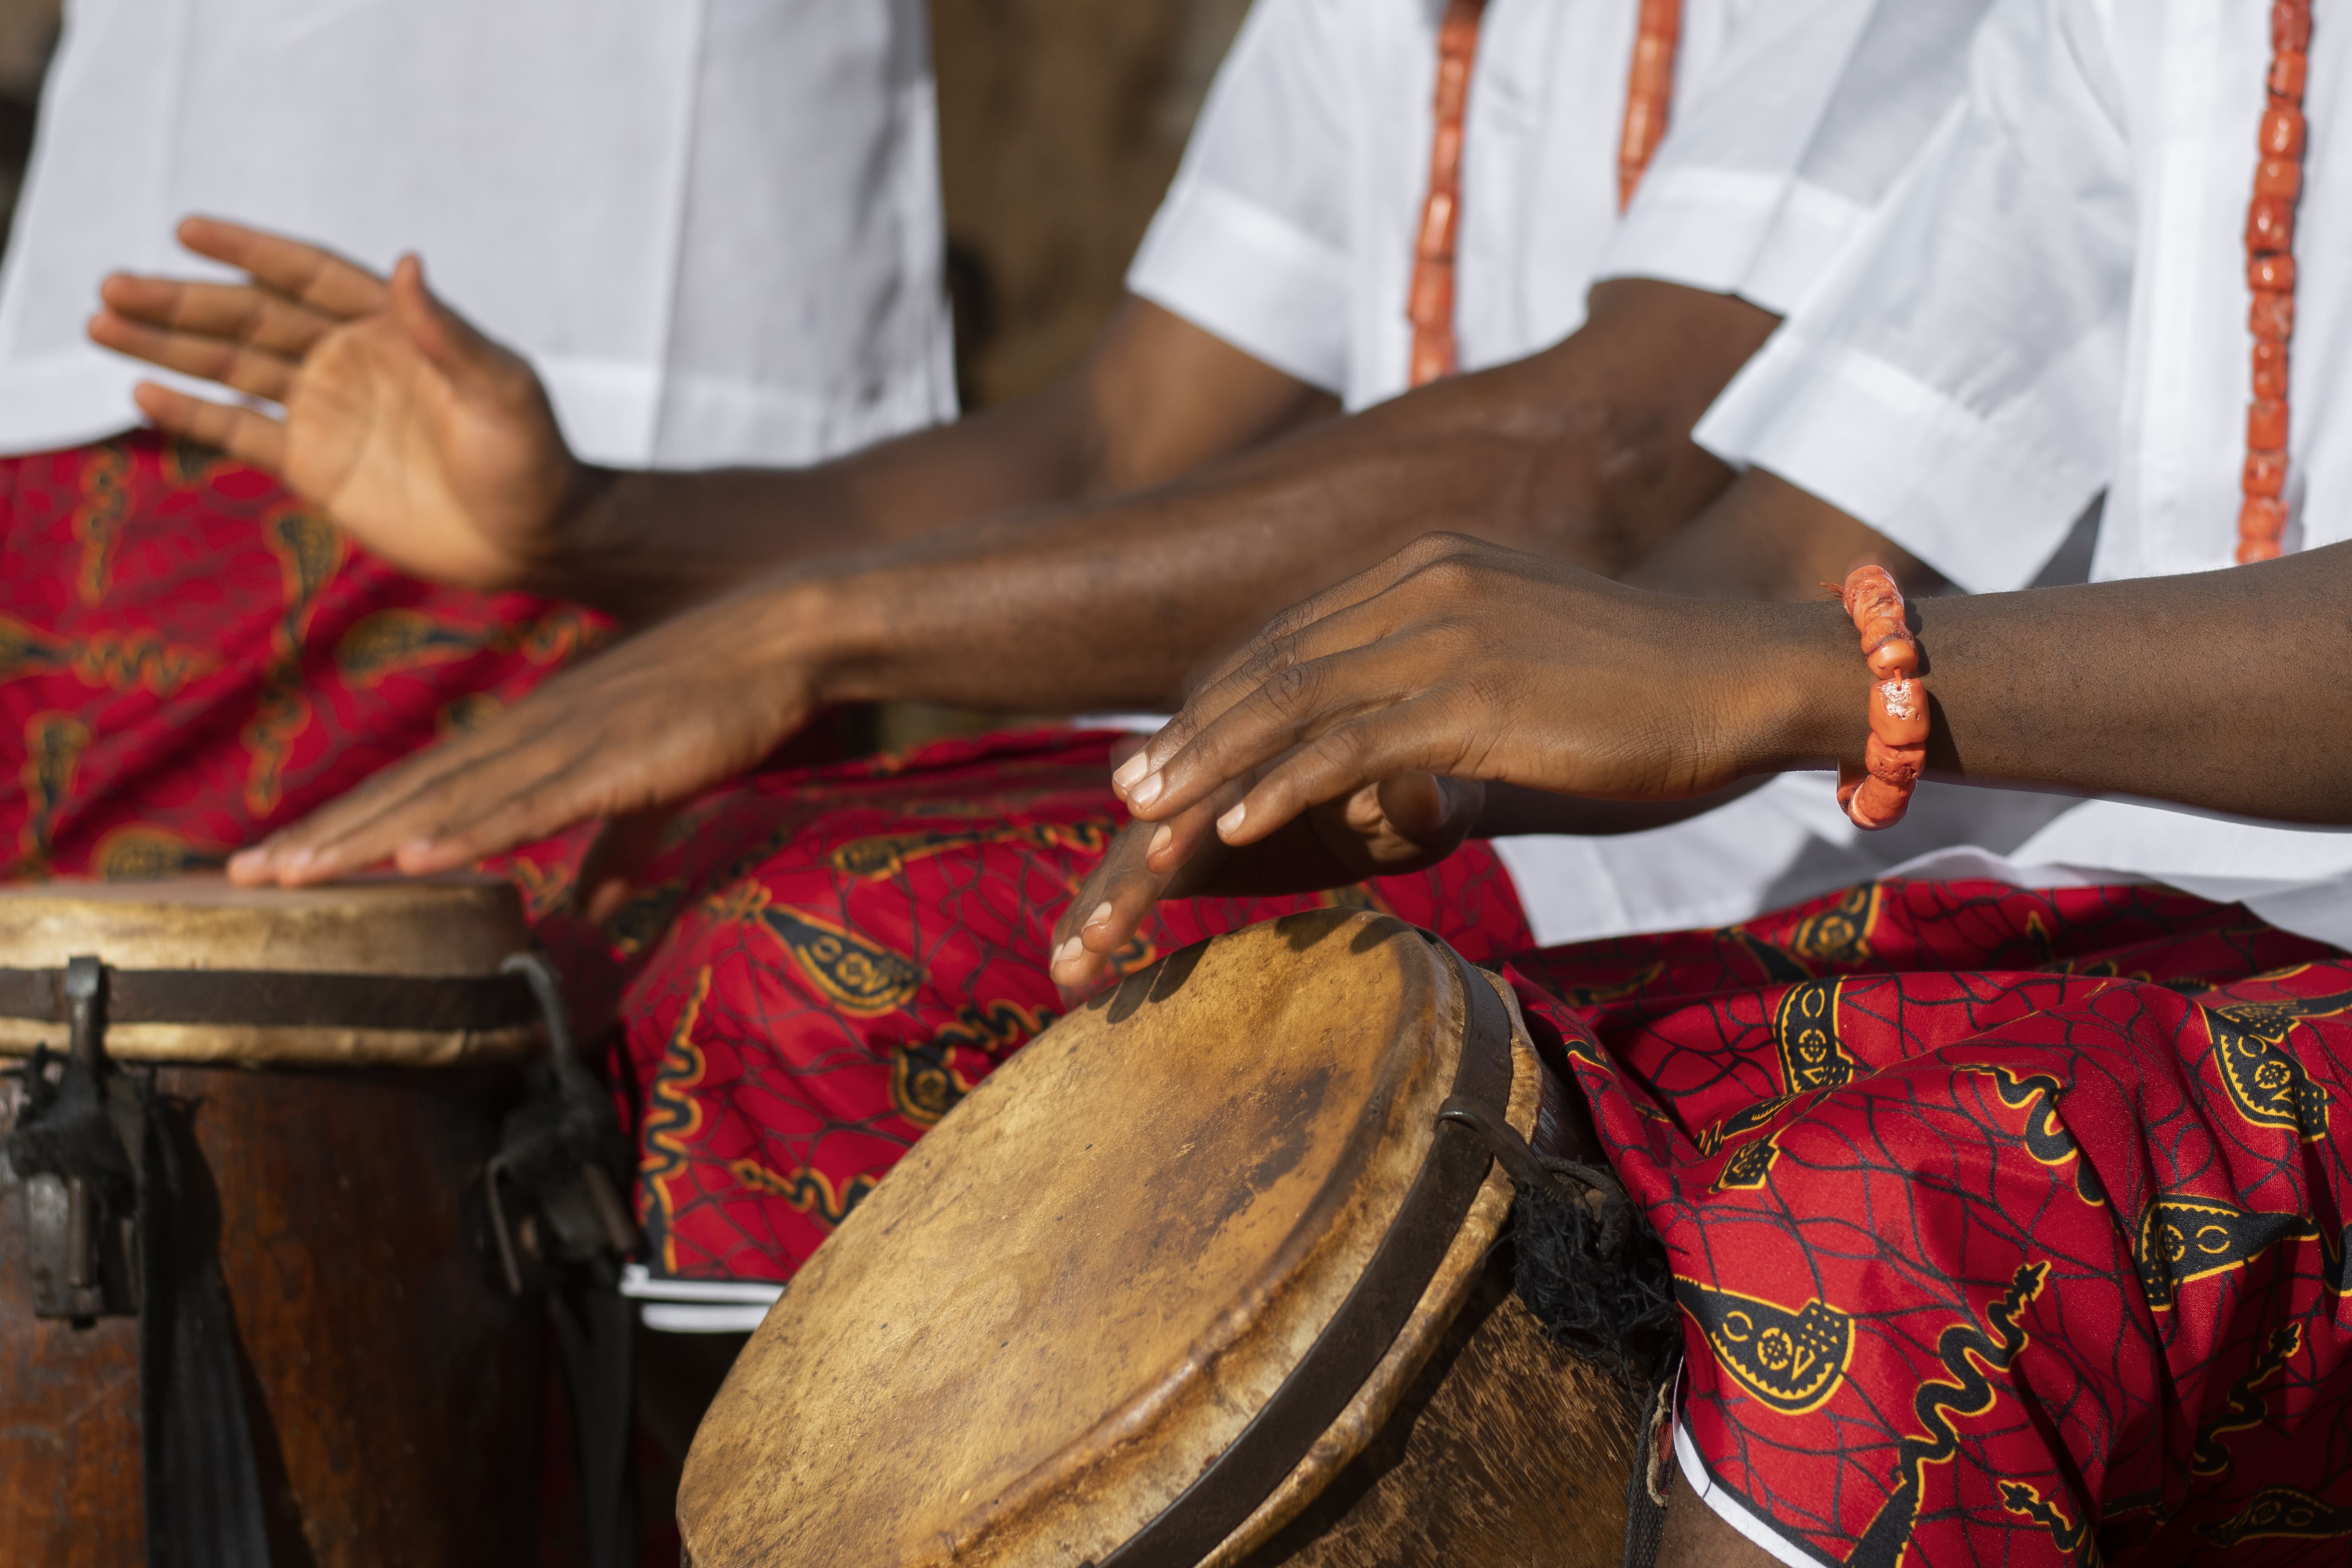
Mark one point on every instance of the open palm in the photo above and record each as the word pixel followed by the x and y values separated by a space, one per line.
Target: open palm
pixel 435 447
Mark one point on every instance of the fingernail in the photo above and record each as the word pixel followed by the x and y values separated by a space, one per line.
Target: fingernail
pixel 295 861
pixel 1144 793
pixel 1134 768
pixel 1230 823
pixel 1101 915
pixel 245 861
pixel 1161 840
pixel 1068 953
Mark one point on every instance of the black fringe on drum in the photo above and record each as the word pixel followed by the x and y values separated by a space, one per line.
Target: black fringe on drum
pixel 1594 1273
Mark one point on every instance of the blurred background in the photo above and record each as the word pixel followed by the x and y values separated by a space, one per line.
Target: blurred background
pixel 1060 122
pixel 1060 125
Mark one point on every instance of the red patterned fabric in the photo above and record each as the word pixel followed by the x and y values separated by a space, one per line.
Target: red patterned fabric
pixel 2009 1227
pixel 823 961
pixel 189 659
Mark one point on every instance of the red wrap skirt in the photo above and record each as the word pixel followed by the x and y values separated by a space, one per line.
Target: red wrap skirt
pixel 2008 1227
pixel 190 657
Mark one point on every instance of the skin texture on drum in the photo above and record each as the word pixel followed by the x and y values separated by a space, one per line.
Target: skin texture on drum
pixel 1505 1451
pixel 396 1392
pixel 1077 1290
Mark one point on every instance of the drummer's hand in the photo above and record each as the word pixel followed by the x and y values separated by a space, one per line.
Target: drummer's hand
pixel 646 725
pixel 1464 660
pixel 433 445
pixel 1389 829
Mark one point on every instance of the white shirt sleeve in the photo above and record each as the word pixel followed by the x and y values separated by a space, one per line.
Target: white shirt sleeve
pixel 1252 243
pixel 1956 380
pixel 1789 139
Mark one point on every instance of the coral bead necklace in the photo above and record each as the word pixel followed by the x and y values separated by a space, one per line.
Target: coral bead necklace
pixel 1649 94
pixel 2270 276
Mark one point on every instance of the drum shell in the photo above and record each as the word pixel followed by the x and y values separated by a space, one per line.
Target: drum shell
pixel 396 1390
pixel 1503 1450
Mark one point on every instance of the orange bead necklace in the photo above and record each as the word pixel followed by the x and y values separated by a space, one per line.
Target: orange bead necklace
pixel 2270 274
pixel 1649 94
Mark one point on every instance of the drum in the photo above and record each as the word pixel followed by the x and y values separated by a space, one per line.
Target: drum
pixel 1207 1274
pixel 245 1288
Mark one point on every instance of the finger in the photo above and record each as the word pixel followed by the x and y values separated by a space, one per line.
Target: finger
pixel 322 845
pixel 1369 584
pixel 1277 661
pixel 1416 805
pixel 1420 814
pixel 1261 715
pixel 234 311
pixel 491 814
pixel 444 337
pixel 1175 843
pixel 1077 964
pixel 317 276
pixel 242 369
pixel 1321 623
pixel 245 434
pixel 1373 749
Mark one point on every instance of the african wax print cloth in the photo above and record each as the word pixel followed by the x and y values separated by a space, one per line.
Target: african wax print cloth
pixel 191 657
pixel 824 961
pixel 2007 1226
pixel 819 963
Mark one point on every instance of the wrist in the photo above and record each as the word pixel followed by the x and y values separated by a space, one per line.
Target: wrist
pixel 575 548
pixel 825 629
pixel 1802 700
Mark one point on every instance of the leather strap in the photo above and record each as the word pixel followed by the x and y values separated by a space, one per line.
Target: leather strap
pixel 203 1483
pixel 1367 1324
pixel 594 1324
pixel 277 999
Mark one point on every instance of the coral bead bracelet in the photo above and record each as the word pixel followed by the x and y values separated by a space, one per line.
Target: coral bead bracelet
pixel 1877 793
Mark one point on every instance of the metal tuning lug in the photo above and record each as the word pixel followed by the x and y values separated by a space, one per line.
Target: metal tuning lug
pixel 555 1183
pixel 79 1179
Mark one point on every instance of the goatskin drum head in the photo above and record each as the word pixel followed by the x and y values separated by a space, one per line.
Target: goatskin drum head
pixel 1074 1294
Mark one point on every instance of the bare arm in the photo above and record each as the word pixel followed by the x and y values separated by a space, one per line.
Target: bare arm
pixel 437 447
pixel 1581 453
pixel 1155 398
pixel 1458 660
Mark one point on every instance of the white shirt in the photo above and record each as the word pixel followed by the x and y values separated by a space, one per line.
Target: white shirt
pixel 1289 234
pixel 712 225
pixel 1806 123
pixel 2056 302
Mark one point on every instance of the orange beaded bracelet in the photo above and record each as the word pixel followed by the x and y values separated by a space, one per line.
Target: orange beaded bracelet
pixel 1877 793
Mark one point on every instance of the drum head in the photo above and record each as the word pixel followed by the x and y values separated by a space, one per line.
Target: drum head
pixel 1068 1302
pixel 439 928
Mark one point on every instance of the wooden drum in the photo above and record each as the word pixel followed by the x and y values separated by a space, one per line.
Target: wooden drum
pixel 1207 1274
pixel 303 1090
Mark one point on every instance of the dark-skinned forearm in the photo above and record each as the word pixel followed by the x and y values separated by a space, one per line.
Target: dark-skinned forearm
pixel 2221 689
pixel 1581 453
pixel 2215 690
pixel 643 544
pixel 2218 690
pixel 1154 399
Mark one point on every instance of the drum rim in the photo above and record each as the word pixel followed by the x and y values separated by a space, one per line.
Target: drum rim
pixel 1350 1350
pixel 253 998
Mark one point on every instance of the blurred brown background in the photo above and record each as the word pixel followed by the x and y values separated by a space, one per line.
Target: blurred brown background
pixel 1060 122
